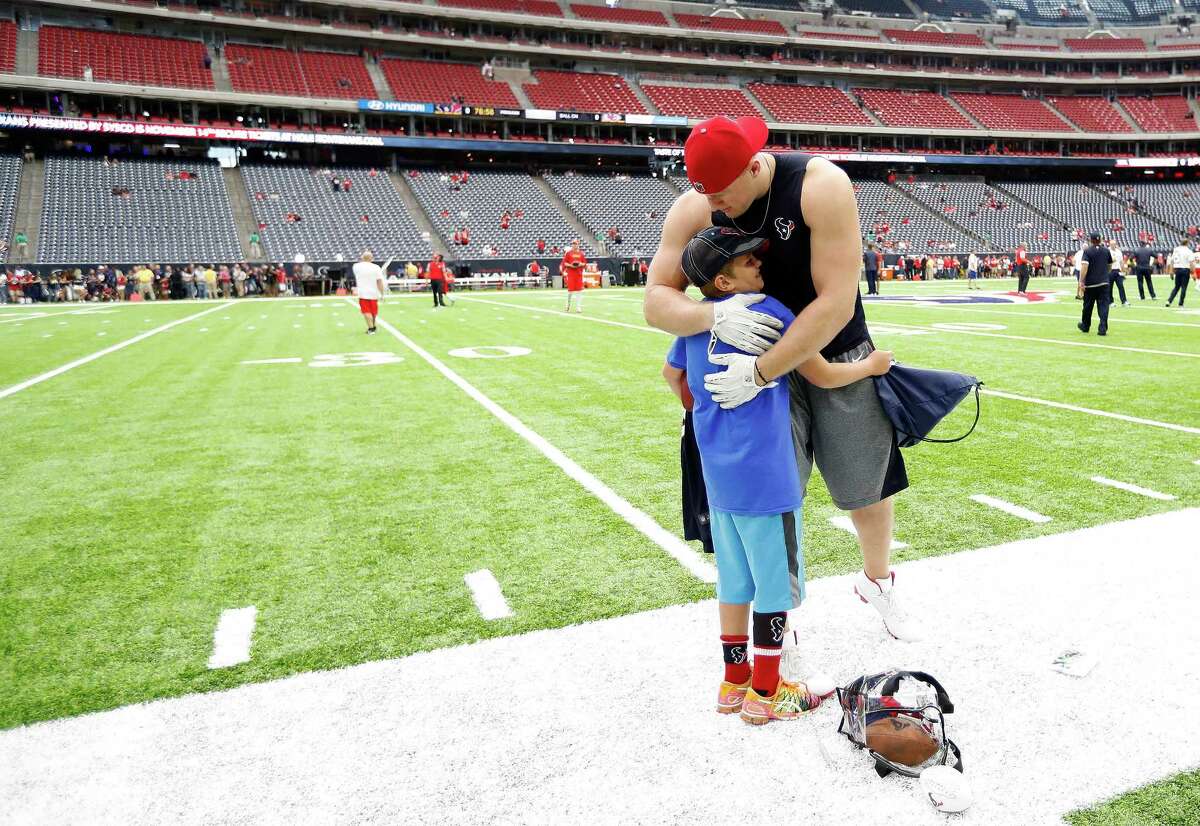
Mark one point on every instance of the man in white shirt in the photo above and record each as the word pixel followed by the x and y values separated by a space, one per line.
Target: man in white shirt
pixel 1181 263
pixel 973 272
pixel 1117 277
pixel 371 287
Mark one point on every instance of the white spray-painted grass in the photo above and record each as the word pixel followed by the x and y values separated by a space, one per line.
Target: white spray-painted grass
pixel 231 639
pixel 58 371
pixel 677 548
pixel 489 599
pixel 534 309
pixel 1090 411
pixel 844 523
pixel 1059 341
pixel 1138 489
pixel 275 361
pixel 375 743
pixel 1010 508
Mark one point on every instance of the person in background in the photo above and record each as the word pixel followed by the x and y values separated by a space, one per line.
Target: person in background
pixel 436 273
pixel 188 275
pixel 1181 263
pixel 871 269
pixel 1095 284
pixel 571 268
pixel 1143 258
pixel 371 285
pixel 973 272
pixel 1117 279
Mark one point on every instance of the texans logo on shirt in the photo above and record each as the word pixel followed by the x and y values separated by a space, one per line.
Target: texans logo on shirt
pixel 784 228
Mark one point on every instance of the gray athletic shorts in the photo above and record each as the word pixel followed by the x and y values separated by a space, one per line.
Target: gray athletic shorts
pixel 849 435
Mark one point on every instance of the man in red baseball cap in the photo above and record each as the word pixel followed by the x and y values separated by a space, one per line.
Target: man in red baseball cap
pixel 806 207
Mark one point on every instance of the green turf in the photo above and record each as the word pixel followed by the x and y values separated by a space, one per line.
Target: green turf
pixel 1173 802
pixel 173 482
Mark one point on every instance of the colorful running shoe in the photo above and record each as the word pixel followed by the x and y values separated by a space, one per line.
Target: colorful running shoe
pixel 730 696
pixel 789 701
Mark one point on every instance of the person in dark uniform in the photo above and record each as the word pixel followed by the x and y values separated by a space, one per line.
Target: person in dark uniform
pixel 1022 270
pixel 1094 283
pixel 871 267
pixel 1117 277
pixel 805 206
pixel 1142 259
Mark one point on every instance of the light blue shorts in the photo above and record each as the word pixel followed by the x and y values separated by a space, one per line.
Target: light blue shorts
pixel 759 560
pixel 972 274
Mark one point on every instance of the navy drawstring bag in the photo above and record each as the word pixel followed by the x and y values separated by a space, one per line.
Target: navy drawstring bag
pixel 916 399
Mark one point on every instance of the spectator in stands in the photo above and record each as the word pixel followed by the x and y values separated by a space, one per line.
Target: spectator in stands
pixel 534 270
pixel 541 246
pixel 504 220
pixel 486 70
pixel 364 218
pixel 336 183
pixel 571 268
pixel 255 244
pixel 346 184
pixel 21 242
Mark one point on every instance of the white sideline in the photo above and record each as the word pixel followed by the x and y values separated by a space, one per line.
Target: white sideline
pixel 1009 508
pixel 489 599
pixel 57 371
pixel 1138 489
pixel 844 522
pixel 231 639
pixel 374 743
pixel 991 308
pixel 1090 411
pixel 581 316
pixel 673 545
pixel 1063 342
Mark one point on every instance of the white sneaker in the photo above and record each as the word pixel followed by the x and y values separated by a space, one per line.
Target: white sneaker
pixel 792 666
pixel 881 595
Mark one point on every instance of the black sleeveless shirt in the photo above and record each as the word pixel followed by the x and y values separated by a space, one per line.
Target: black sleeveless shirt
pixel 787 266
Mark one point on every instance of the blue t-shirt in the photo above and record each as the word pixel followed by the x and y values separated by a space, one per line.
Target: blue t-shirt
pixel 747 453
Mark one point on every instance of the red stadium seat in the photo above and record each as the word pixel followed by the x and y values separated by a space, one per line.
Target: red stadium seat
pixel 544 8
pixel 1161 114
pixel 435 82
pixel 1011 112
pixel 918 109
pixel 700 102
pixel 935 38
pixel 122 58
pixel 731 24
pixel 582 92
pixel 8 46
pixel 639 17
pixel 1091 114
pixel 809 104
pixel 1105 44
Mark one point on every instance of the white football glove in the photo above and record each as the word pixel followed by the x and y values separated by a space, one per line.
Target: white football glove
pixel 743 329
pixel 735 386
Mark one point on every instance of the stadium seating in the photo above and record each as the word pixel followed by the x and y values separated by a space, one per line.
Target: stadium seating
pixel 700 102
pixel 731 24
pixel 1146 10
pixel 835 34
pixel 1175 204
pixel 8 47
pixel 123 58
pixel 162 220
pixel 307 74
pixel 1091 114
pixel 582 92
pixel 955 8
pixel 1112 10
pixel 479 205
pixel 434 82
pixel 997 218
pixel 911 228
pixel 918 109
pixel 1161 114
pixel 639 17
pixel 603 201
pixel 1011 112
pixel 10 186
pixel 544 8
pixel 882 8
pixel 809 104
pixel 934 38
pixel 331 222
pixel 1105 44
pixel 1052 13
pixel 1085 208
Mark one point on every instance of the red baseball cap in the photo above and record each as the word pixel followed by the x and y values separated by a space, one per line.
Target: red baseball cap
pixel 718 150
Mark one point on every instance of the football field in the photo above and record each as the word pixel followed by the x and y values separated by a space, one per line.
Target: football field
pixel 167 463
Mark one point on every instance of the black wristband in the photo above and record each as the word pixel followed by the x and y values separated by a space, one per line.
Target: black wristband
pixel 758 373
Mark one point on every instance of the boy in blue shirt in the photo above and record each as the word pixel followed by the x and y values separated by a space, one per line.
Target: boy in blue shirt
pixel 753 484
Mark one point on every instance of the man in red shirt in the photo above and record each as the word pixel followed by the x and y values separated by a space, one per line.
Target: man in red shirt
pixel 541 245
pixel 436 273
pixel 1022 270
pixel 572 271
pixel 534 270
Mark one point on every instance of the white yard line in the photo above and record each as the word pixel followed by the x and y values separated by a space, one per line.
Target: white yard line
pixel 489 599
pixel 57 371
pixel 1063 342
pixel 1009 508
pixel 273 361
pixel 845 524
pixel 231 640
pixel 379 743
pixel 1138 489
pixel 1090 411
pixel 1114 317
pixel 580 316
pixel 669 542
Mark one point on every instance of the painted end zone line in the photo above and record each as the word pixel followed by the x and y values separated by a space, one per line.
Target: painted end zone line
pixel 57 371
pixel 231 640
pixel 1009 508
pixel 1063 342
pixel 1134 419
pixel 485 590
pixel 673 545
pixel 1152 494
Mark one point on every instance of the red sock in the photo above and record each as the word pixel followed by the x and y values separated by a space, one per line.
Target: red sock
pixel 766 670
pixel 737 657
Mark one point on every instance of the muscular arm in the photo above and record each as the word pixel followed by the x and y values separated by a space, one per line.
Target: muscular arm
pixel 829 209
pixel 665 305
